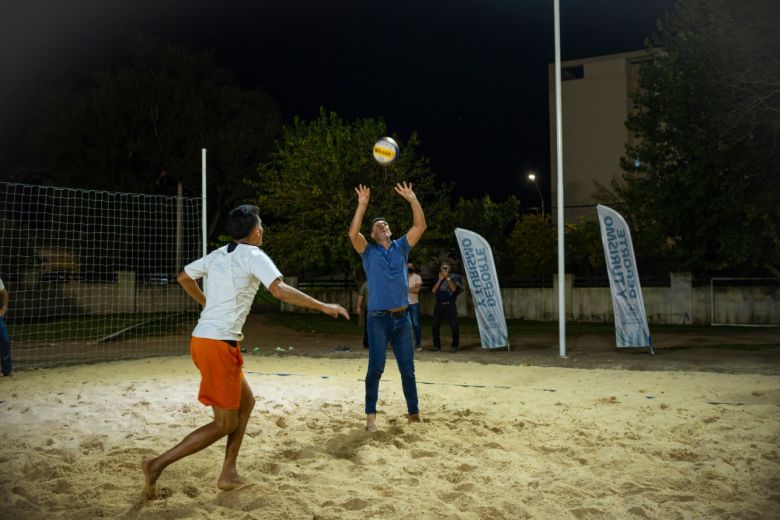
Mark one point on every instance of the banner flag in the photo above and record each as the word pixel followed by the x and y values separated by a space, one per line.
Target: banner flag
pixel 485 291
pixel 631 329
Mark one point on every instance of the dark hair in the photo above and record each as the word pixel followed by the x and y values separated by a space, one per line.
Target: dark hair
pixel 377 219
pixel 242 220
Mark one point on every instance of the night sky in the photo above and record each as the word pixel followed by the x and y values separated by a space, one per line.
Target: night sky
pixel 469 76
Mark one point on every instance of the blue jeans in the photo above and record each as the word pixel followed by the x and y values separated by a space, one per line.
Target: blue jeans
pixel 5 349
pixel 382 329
pixel 414 314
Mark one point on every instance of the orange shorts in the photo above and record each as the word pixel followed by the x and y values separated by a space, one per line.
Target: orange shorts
pixel 220 371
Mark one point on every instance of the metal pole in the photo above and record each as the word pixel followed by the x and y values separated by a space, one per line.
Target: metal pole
pixel 204 222
pixel 179 226
pixel 559 156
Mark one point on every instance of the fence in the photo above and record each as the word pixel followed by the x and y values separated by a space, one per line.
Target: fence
pixel 88 272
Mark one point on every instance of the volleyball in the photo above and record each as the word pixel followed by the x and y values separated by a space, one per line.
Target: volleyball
pixel 386 151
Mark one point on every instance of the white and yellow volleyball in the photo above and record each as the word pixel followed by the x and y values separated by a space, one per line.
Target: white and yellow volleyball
pixel 386 151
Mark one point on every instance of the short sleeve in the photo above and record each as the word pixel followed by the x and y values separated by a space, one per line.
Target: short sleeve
pixel 403 244
pixel 263 268
pixel 197 269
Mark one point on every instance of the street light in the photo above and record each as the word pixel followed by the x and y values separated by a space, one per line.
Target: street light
pixel 532 178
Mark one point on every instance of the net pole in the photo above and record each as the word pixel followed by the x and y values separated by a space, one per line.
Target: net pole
pixel 559 155
pixel 179 226
pixel 203 196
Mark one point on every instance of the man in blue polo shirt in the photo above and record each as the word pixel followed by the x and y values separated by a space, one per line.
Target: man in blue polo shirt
pixel 388 318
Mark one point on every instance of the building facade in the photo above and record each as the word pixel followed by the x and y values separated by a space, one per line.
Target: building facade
pixel 595 102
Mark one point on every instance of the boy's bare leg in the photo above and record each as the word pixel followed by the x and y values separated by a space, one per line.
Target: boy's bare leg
pixel 225 421
pixel 229 478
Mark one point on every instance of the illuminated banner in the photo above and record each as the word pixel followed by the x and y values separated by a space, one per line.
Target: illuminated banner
pixel 631 329
pixel 483 285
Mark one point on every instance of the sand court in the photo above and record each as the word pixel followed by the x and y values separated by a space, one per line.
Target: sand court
pixel 499 442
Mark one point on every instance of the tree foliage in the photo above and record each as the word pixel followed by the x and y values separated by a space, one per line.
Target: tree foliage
pixel 707 124
pixel 141 127
pixel 491 219
pixel 584 250
pixel 307 199
pixel 532 245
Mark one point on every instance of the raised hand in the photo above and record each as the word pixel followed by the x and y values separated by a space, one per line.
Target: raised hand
pixel 405 191
pixel 363 193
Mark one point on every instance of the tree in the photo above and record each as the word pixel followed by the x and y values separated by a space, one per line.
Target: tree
pixel 533 246
pixel 491 219
pixel 584 250
pixel 140 128
pixel 707 126
pixel 306 193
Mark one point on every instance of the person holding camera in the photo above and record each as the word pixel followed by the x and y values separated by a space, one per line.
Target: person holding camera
pixel 446 289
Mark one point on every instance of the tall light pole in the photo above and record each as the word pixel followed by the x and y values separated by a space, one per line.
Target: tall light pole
pixel 559 164
pixel 532 178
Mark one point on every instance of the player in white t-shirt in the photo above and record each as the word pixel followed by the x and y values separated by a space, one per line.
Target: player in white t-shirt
pixel 232 275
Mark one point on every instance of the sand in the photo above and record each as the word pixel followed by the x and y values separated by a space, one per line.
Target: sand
pixel 498 442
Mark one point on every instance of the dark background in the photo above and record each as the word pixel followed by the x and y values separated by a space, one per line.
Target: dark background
pixel 469 76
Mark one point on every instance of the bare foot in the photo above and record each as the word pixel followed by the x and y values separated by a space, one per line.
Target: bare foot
pixel 229 479
pixel 151 475
pixel 414 417
pixel 371 423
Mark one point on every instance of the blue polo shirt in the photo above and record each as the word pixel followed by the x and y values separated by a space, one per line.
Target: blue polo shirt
pixel 388 282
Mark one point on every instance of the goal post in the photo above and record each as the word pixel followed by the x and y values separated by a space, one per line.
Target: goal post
pixel 744 302
pixel 92 274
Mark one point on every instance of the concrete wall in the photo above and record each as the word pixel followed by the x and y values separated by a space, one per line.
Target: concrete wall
pixel 680 303
pixel 125 296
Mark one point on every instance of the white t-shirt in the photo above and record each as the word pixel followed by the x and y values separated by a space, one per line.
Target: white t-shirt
pixel 414 279
pixel 230 287
pixel 2 286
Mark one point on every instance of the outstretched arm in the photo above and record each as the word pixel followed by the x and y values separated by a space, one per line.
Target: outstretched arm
pixel 355 236
pixel 293 296
pixel 419 226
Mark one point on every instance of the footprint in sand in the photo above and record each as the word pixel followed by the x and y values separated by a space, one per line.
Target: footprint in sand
pixel 420 454
pixel 411 437
pixel 355 504
pixel 587 512
pixel 450 497
pixel 245 498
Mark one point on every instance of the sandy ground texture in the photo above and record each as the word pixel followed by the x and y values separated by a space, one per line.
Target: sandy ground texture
pixel 499 441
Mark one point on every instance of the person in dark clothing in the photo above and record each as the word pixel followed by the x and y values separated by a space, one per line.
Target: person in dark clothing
pixel 446 289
